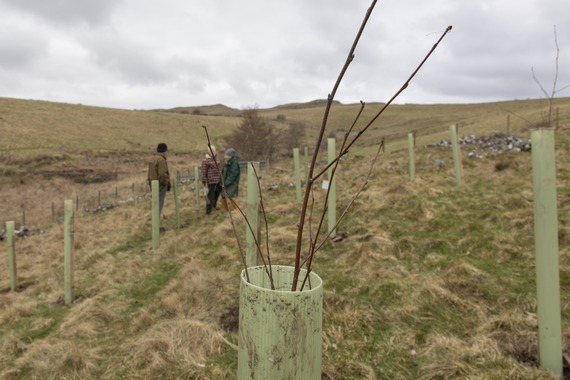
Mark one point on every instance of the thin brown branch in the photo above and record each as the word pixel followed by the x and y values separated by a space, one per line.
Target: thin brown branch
pixel 268 267
pixel 225 193
pixel 315 237
pixel 316 248
pixel 310 180
pixel 550 96
pixel 346 135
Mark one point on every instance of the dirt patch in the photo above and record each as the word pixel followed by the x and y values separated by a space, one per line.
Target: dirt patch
pixel 229 321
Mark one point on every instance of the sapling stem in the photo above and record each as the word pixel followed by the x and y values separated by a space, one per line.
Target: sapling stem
pixel 225 193
pixel 315 248
pixel 346 147
pixel 310 179
pixel 262 204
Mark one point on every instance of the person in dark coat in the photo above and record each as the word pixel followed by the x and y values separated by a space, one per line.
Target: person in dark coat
pixel 158 170
pixel 230 173
pixel 210 175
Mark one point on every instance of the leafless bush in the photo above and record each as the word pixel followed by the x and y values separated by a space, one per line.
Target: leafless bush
pixel 256 138
pixel 547 118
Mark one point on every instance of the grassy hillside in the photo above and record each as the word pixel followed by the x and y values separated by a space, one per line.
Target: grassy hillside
pixel 433 281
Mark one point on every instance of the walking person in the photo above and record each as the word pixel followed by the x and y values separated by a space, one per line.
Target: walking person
pixel 230 173
pixel 210 175
pixel 158 170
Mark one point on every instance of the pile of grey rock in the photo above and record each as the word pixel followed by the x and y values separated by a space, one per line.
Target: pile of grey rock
pixel 498 142
pixel 23 232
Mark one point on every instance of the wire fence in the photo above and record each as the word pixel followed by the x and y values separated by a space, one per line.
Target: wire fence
pixel 36 214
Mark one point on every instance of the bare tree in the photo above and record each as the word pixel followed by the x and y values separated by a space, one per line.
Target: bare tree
pixel 293 136
pixel 550 95
pixel 256 138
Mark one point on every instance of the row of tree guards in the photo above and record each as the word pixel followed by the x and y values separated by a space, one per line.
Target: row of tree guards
pixel 268 347
pixel 546 253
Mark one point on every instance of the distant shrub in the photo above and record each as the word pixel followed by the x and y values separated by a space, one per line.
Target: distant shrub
pixel 255 138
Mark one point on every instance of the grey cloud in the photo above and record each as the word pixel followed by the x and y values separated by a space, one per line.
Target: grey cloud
pixel 20 48
pixel 58 11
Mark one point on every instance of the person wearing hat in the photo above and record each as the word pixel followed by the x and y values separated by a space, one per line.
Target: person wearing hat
pixel 210 176
pixel 230 174
pixel 158 170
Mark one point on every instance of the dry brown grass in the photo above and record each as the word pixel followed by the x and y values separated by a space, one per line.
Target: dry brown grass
pixel 432 282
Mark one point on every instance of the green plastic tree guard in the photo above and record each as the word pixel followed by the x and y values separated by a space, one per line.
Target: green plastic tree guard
pixel 546 250
pixel 68 252
pixel 155 215
pixel 176 202
pixel 197 186
pixel 11 255
pixel 332 188
pixel 412 156
pixel 457 164
pixel 306 162
pixel 280 331
pixel 252 215
pixel 297 164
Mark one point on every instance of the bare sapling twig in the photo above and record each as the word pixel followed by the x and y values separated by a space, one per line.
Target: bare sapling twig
pixel 344 150
pixel 310 178
pixel 267 265
pixel 550 95
pixel 316 247
pixel 225 194
pixel 314 239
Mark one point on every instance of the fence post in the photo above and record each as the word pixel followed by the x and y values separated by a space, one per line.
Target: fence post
pixel 546 250
pixel 456 155
pixel 155 215
pixel 252 215
pixel 11 255
pixel 68 252
pixel 297 169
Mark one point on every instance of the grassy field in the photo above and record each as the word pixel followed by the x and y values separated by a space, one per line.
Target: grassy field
pixel 433 281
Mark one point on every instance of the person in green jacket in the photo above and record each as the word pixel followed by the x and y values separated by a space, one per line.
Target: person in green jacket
pixel 230 174
pixel 158 170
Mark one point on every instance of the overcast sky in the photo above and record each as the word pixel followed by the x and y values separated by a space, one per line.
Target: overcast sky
pixel 145 54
